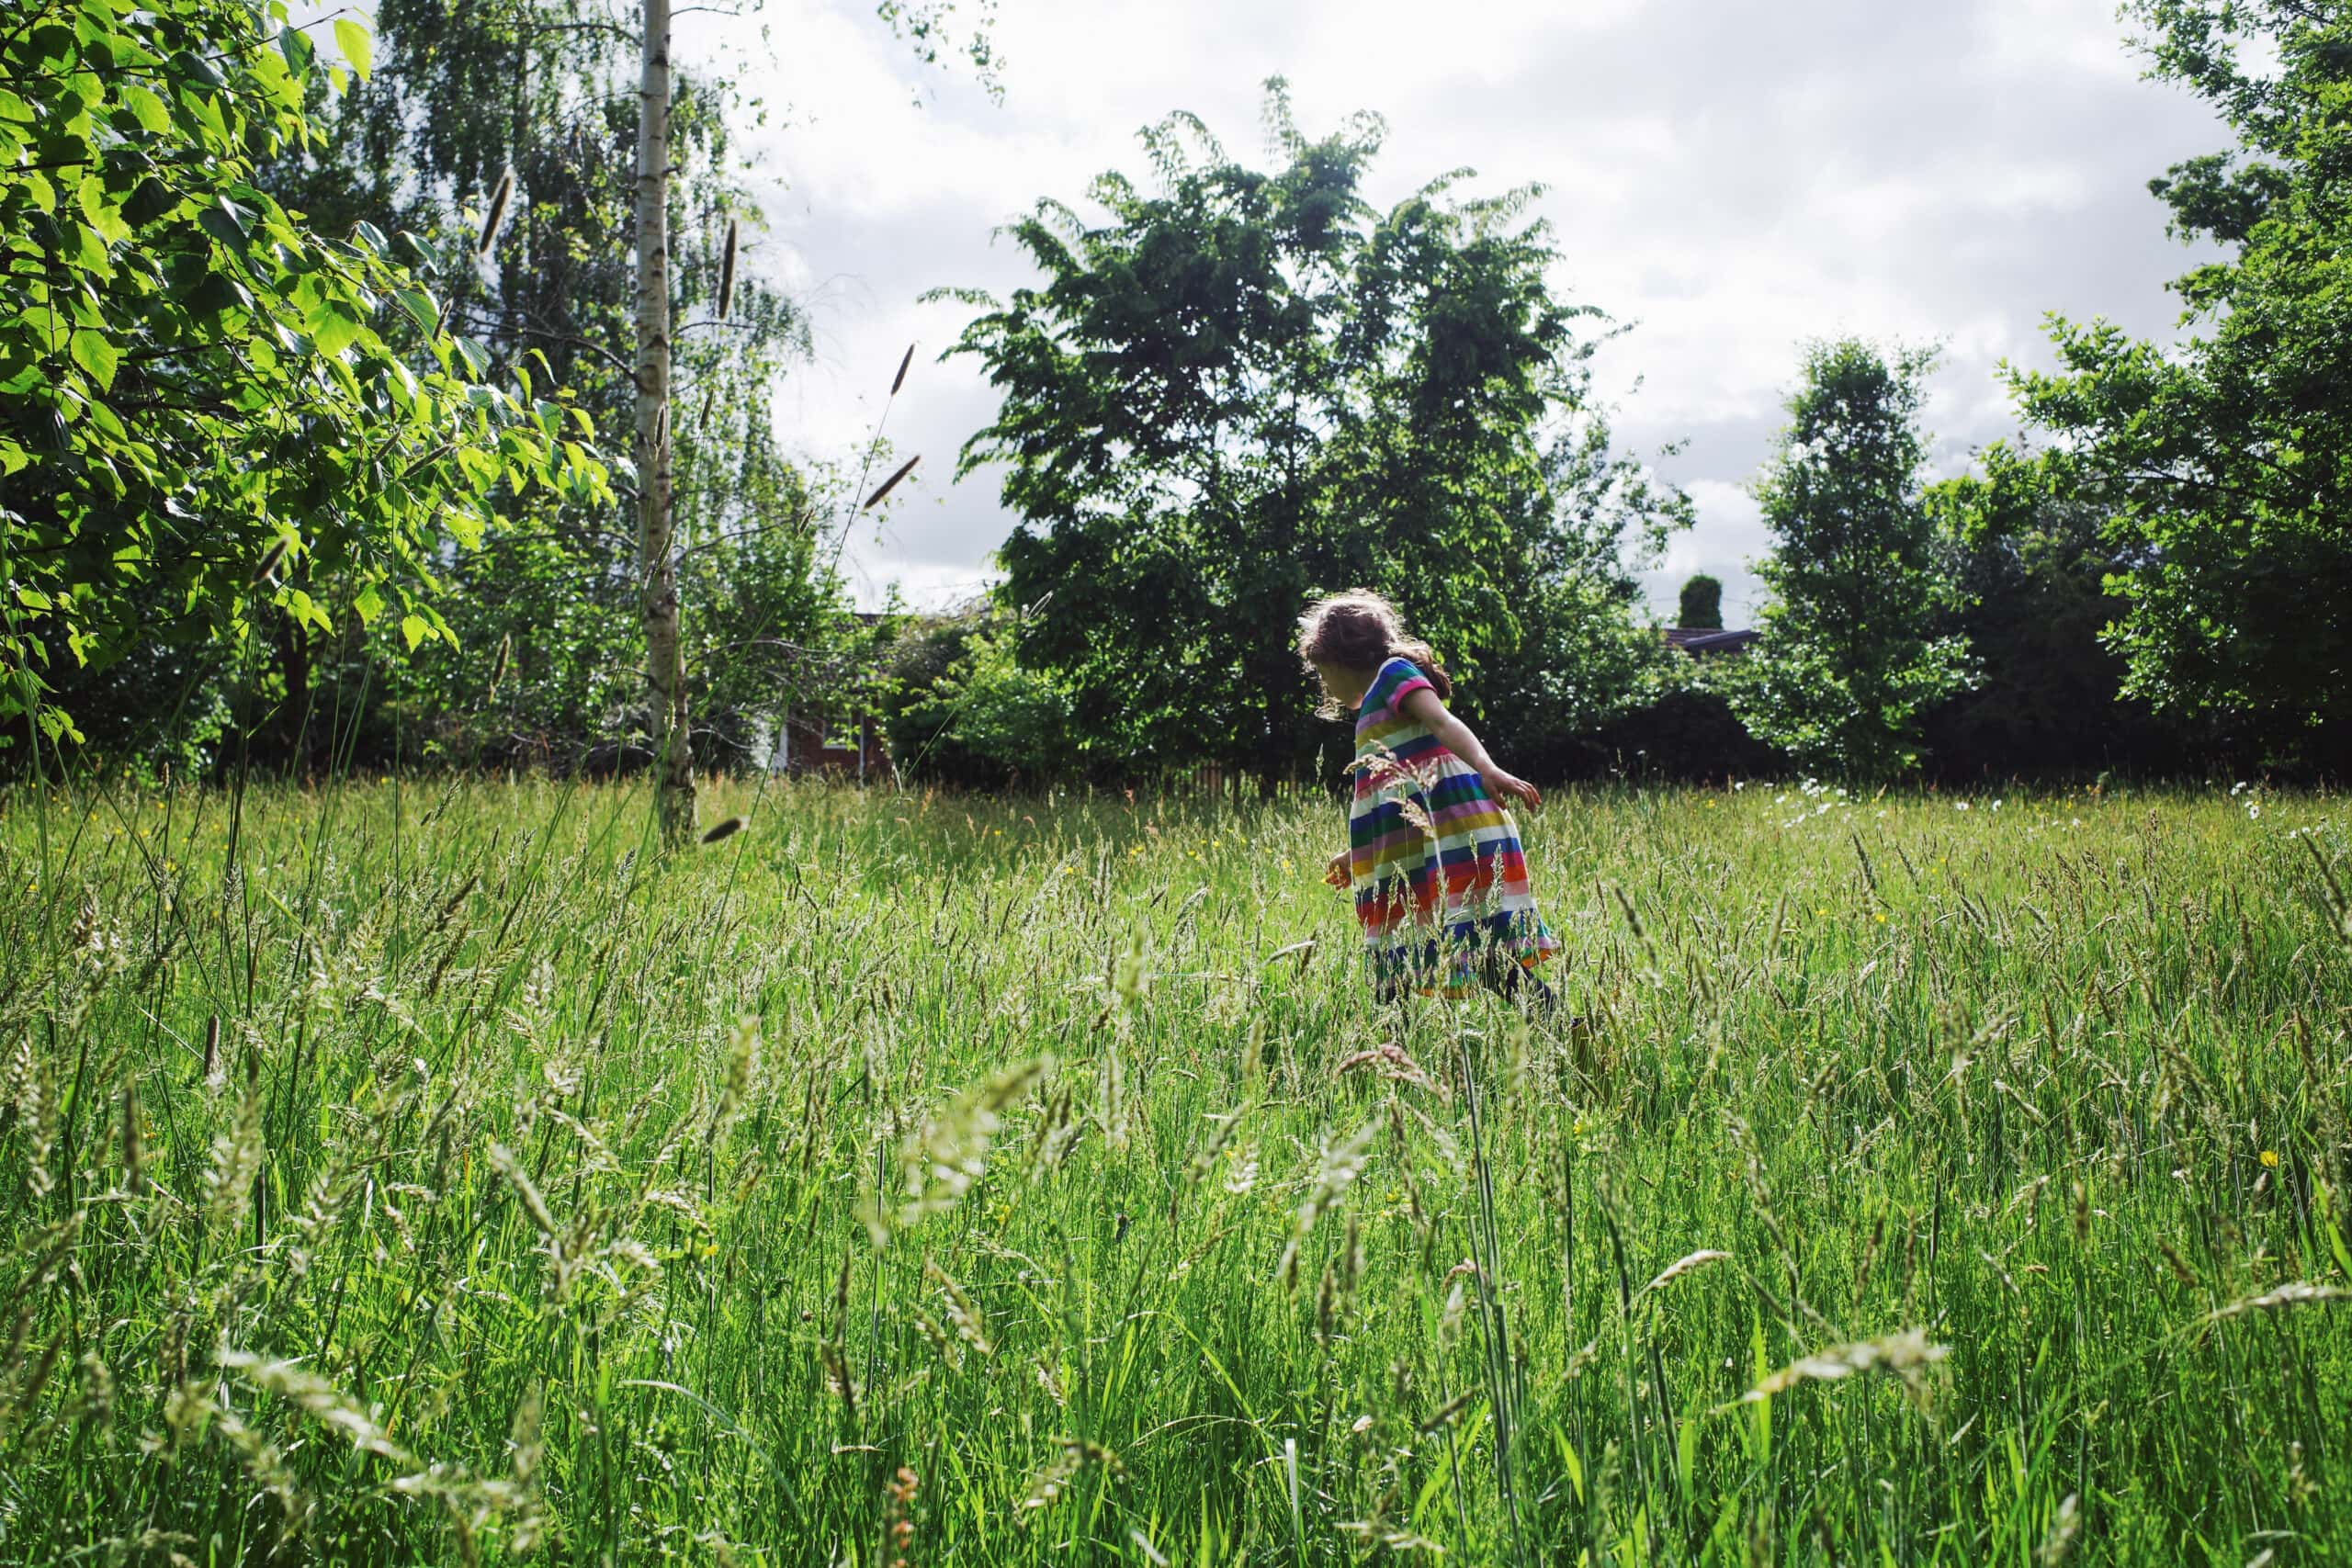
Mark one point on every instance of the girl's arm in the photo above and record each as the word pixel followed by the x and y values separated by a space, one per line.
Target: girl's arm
pixel 1453 734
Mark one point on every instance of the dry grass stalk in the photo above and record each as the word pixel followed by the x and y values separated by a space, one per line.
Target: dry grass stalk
pixel 1074 1459
pixel 942 1162
pixel 2278 1299
pixel 1342 1163
pixel 1682 1266
pixel 1906 1355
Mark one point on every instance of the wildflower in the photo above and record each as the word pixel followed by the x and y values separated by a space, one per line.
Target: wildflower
pixel 2270 1159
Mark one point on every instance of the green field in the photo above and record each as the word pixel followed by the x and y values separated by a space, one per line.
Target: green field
pixel 397 1173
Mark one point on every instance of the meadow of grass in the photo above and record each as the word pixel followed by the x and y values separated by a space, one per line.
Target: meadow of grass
pixel 417 1173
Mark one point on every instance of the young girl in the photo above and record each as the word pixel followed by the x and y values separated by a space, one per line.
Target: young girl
pixel 1440 880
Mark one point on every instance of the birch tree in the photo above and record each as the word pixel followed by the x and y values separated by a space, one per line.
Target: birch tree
pixel 666 717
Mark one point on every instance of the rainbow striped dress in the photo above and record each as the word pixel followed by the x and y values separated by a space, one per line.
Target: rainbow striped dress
pixel 1440 879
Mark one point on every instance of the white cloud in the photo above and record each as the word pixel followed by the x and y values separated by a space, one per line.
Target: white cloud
pixel 1735 178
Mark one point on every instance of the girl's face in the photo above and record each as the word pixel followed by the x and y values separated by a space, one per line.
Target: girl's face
pixel 1342 684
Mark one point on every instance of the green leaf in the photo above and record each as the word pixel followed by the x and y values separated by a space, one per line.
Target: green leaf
pixel 295 45
pixel 415 628
pixel 150 201
pixel 95 354
pixel 330 330
pixel 33 598
pixel 415 251
pixel 420 307
pixel 357 48
pixel 367 604
pixel 149 108
pixel 222 223
pixel 191 67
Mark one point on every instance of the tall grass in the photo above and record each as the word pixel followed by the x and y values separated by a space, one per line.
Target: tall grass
pixel 401 1173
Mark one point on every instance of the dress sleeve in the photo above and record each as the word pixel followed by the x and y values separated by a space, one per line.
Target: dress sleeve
pixel 1399 679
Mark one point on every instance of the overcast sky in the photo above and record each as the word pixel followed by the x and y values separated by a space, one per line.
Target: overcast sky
pixel 1729 178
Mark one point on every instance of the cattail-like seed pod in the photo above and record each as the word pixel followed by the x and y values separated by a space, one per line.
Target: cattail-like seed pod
pixel 900 379
pixel 497 214
pixel 498 668
pixel 726 829
pixel 891 483
pixel 212 1048
pixel 726 273
pixel 267 570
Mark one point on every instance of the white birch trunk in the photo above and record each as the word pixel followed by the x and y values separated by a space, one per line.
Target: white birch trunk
pixel 665 662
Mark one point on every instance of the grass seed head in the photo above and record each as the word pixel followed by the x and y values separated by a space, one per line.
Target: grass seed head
pixel 266 574
pixel 891 483
pixel 497 213
pixel 1682 1266
pixel 727 273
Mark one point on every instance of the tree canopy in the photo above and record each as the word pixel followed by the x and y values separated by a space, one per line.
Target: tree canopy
pixel 1851 654
pixel 2231 456
pixel 1245 387
pixel 204 397
pixel 1702 604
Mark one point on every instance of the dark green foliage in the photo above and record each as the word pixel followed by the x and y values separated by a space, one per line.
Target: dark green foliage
pixel 215 416
pixel 2230 459
pixel 2037 567
pixel 1703 603
pixel 1247 387
pixel 967 714
pixel 1851 654
pixel 462 95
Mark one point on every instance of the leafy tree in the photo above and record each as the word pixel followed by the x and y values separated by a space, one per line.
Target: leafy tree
pixel 204 400
pixel 1703 603
pixel 1587 656
pixel 1244 388
pixel 967 713
pixel 2231 457
pixel 2037 570
pixel 1850 660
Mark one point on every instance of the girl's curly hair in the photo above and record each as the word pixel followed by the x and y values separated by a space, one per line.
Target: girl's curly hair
pixel 1361 631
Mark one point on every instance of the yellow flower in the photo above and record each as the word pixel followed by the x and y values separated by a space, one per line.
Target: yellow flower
pixel 2270 1159
pixel 1880 917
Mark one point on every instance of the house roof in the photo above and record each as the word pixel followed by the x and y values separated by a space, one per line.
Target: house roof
pixel 1697 641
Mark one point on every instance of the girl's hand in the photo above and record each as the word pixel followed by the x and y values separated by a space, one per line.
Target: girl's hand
pixel 1337 873
pixel 1513 785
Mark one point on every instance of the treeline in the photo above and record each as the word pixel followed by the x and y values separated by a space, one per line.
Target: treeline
pixel 1239 388
pixel 323 396
pixel 326 442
